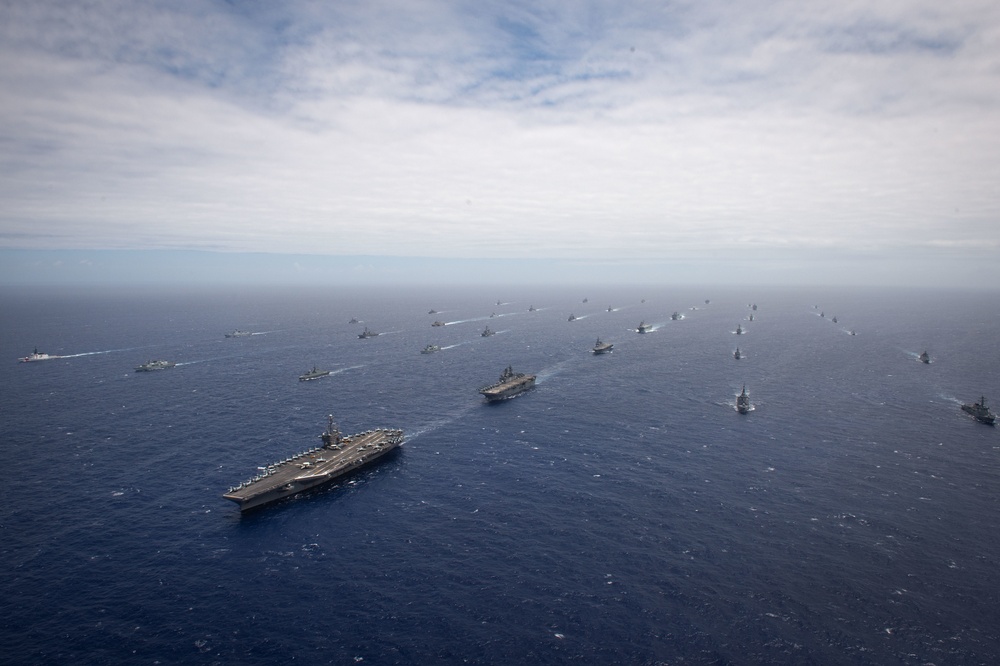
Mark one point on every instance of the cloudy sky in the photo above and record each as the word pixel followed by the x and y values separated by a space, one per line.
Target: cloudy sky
pixel 787 139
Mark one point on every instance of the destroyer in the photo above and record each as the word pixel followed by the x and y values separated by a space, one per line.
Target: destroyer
pixel 737 355
pixel 315 373
pixel 336 457
pixel 572 317
pixel 602 347
pixel 365 334
pixel 238 334
pixel 980 411
pixel 743 401
pixel 739 329
pixel 924 358
pixel 155 365
pixel 438 323
pixel 510 384
pixel 676 316
pixel 37 356
pixel 487 332
pixel 430 349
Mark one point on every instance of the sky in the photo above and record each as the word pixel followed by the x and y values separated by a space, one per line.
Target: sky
pixel 706 141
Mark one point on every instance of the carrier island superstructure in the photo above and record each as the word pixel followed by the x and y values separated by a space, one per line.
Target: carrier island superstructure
pixel 337 456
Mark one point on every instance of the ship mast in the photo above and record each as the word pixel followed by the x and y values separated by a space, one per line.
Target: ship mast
pixel 332 435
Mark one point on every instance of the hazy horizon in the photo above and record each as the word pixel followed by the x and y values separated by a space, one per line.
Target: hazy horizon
pixel 769 142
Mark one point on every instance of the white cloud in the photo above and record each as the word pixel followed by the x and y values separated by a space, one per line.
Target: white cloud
pixel 531 130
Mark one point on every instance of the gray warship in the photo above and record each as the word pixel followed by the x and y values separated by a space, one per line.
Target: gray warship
pixel 430 349
pixel 602 347
pixel 316 467
pixel 238 334
pixel 364 335
pixel 644 327
pixel 487 332
pixel 924 358
pixel 737 355
pixel 510 384
pixel 315 373
pixel 150 366
pixel 980 411
pixel 743 401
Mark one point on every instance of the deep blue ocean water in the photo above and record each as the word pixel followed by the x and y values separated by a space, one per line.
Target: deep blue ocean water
pixel 622 512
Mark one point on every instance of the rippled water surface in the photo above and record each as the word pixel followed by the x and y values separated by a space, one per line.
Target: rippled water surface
pixel 620 512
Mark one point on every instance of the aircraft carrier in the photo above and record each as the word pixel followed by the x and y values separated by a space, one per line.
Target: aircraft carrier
pixel 337 456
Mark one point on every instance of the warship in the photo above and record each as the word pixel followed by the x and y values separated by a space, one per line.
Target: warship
pixel 644 327
pixel 365 334
pixel 737 355
pixel 336 457
pixel 154 365
pixel 754 307
pixel 432 311
pixel 37 356
pixel 739 329
pixel 924 358
pixel 238 334
pixel 572 317
pixel 354 320
pixel 315 373
pixel 980 411
pixel 487 332
pixel 531 308
pixel 510 384
pixel 430 349
pixel 602 347
pixel 743 401
pixel 834 320
pixel 676 316
pixel 438 323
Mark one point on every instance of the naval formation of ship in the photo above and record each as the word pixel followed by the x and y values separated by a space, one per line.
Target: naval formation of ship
pixel 310 469
pixel 510 384
pixel 980 411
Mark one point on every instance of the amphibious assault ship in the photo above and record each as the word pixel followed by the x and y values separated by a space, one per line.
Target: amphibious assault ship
pixel 644 327
pixel 336 457
pixel 980 411
pixel 510 384
pixel 150 366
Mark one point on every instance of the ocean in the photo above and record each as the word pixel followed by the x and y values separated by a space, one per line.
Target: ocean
pixel 621 512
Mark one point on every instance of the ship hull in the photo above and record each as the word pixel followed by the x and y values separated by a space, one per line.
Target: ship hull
pixel 501 393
